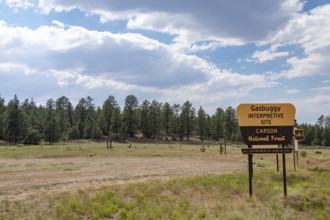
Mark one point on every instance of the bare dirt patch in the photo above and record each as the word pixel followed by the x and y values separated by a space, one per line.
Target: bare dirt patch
pixel 20 178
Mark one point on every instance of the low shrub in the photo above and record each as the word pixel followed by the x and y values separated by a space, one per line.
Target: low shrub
pixel 303 153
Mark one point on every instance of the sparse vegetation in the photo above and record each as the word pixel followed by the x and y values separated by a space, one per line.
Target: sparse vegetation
pixel 210 197
pixel 204 196
pixel 263 163
pixel 303 153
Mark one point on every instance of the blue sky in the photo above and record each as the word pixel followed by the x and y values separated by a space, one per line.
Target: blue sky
pixel 215 54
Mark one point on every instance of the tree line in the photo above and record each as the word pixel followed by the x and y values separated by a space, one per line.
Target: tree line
pixel 318 134
pixel 59 120
pixel 25 122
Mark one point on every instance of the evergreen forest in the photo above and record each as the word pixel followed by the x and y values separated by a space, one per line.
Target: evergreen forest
pixel 58 120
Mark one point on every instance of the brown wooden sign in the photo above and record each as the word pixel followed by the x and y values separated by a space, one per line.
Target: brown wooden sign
pixel 299 134
pixel 286 150
pixel 266 123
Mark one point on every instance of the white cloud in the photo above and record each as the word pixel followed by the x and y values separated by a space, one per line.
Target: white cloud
pixel 228 22
pixel 19 4
pixel 312 65
pixel 223 86
pixel 95 53
pixel 322 89
pixel 292 91
pixel 58 23
pixel 16 68
pixel 310 31
pixel 267 55
pixel 62 58
pixel 78 59
pixel 63 77
pixel 319 100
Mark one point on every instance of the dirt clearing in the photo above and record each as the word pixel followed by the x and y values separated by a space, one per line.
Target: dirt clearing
pixel 22 177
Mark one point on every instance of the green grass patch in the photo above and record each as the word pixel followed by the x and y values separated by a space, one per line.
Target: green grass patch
pixel 263 163
pixel 66 166
pixel 303 153
pixel 96 149
pixel 199 197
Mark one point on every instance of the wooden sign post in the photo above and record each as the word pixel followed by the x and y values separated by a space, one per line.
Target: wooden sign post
pixel 298 136
pixel 266 124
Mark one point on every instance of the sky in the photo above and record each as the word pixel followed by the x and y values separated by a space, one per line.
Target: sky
pixel 214 54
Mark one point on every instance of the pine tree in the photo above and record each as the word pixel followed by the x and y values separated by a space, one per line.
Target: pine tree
pixel 116 121
pixel 108 107
pixel 308 134
pixel 155 118
pixel 326 137
pixel 51 126
pixel 130 121
pixel 230 123
pixel 175 122
pixel 167 115
pixel 201 123
pixel 63 111
pixel 96 132
pixel 2 117
pixel 80 115
pixel 187 117
pixel 209 126
pixel 317 140
pixel 218 124
pixel 88 126
pixel 91 119
pixel 15 121
pixel 144 119
pixel 74 133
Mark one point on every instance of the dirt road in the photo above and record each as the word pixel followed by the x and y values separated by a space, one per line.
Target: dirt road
pixel 22 177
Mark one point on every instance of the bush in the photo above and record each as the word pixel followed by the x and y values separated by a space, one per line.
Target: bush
pixel 96 132
pixel 74 133
pixel 32 137
pixel 303 153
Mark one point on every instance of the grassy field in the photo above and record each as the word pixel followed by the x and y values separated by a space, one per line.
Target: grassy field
pixel 208 196
pixel 83 148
